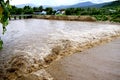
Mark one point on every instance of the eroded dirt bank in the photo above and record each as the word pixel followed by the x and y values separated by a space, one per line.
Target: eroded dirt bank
pixel 31 45
pixel 64 17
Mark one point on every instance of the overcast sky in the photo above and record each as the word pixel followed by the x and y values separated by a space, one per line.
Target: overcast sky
pixel 55 2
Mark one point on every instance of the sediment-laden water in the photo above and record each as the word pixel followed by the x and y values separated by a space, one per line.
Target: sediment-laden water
pixel 99 63
pixel 31 45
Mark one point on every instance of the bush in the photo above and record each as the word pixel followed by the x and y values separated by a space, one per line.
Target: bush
pixel 115 18
pixel 101 17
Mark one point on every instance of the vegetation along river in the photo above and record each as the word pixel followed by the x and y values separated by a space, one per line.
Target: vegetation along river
pixel 31 45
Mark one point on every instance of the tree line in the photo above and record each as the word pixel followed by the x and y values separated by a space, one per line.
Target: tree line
pixel 29 10
pixel 99 13
pixel 109 12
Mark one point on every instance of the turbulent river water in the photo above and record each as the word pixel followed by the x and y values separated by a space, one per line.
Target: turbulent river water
pixel 28 42
pixel 99 63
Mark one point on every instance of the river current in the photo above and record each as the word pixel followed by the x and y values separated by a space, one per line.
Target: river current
pixel 29 41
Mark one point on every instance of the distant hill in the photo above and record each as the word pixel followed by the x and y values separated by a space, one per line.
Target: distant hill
pixel 89 5
pixel 98 5
pixel 80 5
pixel 84 4
pixel 113 4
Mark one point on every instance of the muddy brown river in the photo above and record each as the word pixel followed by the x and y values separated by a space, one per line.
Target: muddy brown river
pixel 99 63
pixel 31 45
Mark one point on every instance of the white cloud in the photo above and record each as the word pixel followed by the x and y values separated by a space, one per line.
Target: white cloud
pixel 16 2
pixel 55 2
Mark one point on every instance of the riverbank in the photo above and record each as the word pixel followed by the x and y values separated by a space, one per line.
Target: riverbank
pixel 64 17
pixel 34 44
pixel 85 18
pixel 95 18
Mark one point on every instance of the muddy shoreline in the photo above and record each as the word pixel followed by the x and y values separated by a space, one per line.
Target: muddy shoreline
pixel 72 18
pixel 25 59
pixel 67 18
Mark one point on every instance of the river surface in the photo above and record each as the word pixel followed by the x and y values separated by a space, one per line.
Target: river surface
pixel 99 63
pixel 29 41
pixel 34 35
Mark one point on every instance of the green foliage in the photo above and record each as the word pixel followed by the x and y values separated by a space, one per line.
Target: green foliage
pixel 49 10
pixel 13 10
pixel 82 11
pixel 38 9
pixel 101 17
pixel 1 43
pixel 4 15
pixel 20 11
pixel 115 18
pixel 110 13
pixel 54 12
pixel 71 11
pixel 16 11
pixel 28 10
pixel 35 8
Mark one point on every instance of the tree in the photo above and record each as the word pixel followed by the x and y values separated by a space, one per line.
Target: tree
pixel 27 7
pixel 4 15
pixel 28 10
pixel 35 9
pixel 40 8
pixel 49 10
pixel 13 10
pixel 19 11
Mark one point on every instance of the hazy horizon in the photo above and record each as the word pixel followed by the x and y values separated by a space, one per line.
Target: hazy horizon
pixel 55 2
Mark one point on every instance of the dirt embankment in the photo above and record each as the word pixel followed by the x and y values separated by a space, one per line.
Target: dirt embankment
pixel 69 18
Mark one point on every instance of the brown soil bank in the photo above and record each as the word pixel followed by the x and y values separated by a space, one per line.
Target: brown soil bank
pixel 70 18
pixel 100 63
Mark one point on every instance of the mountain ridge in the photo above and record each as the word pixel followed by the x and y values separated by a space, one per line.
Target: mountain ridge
pixel 113 4
pixel 83 4
pixel 87 4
